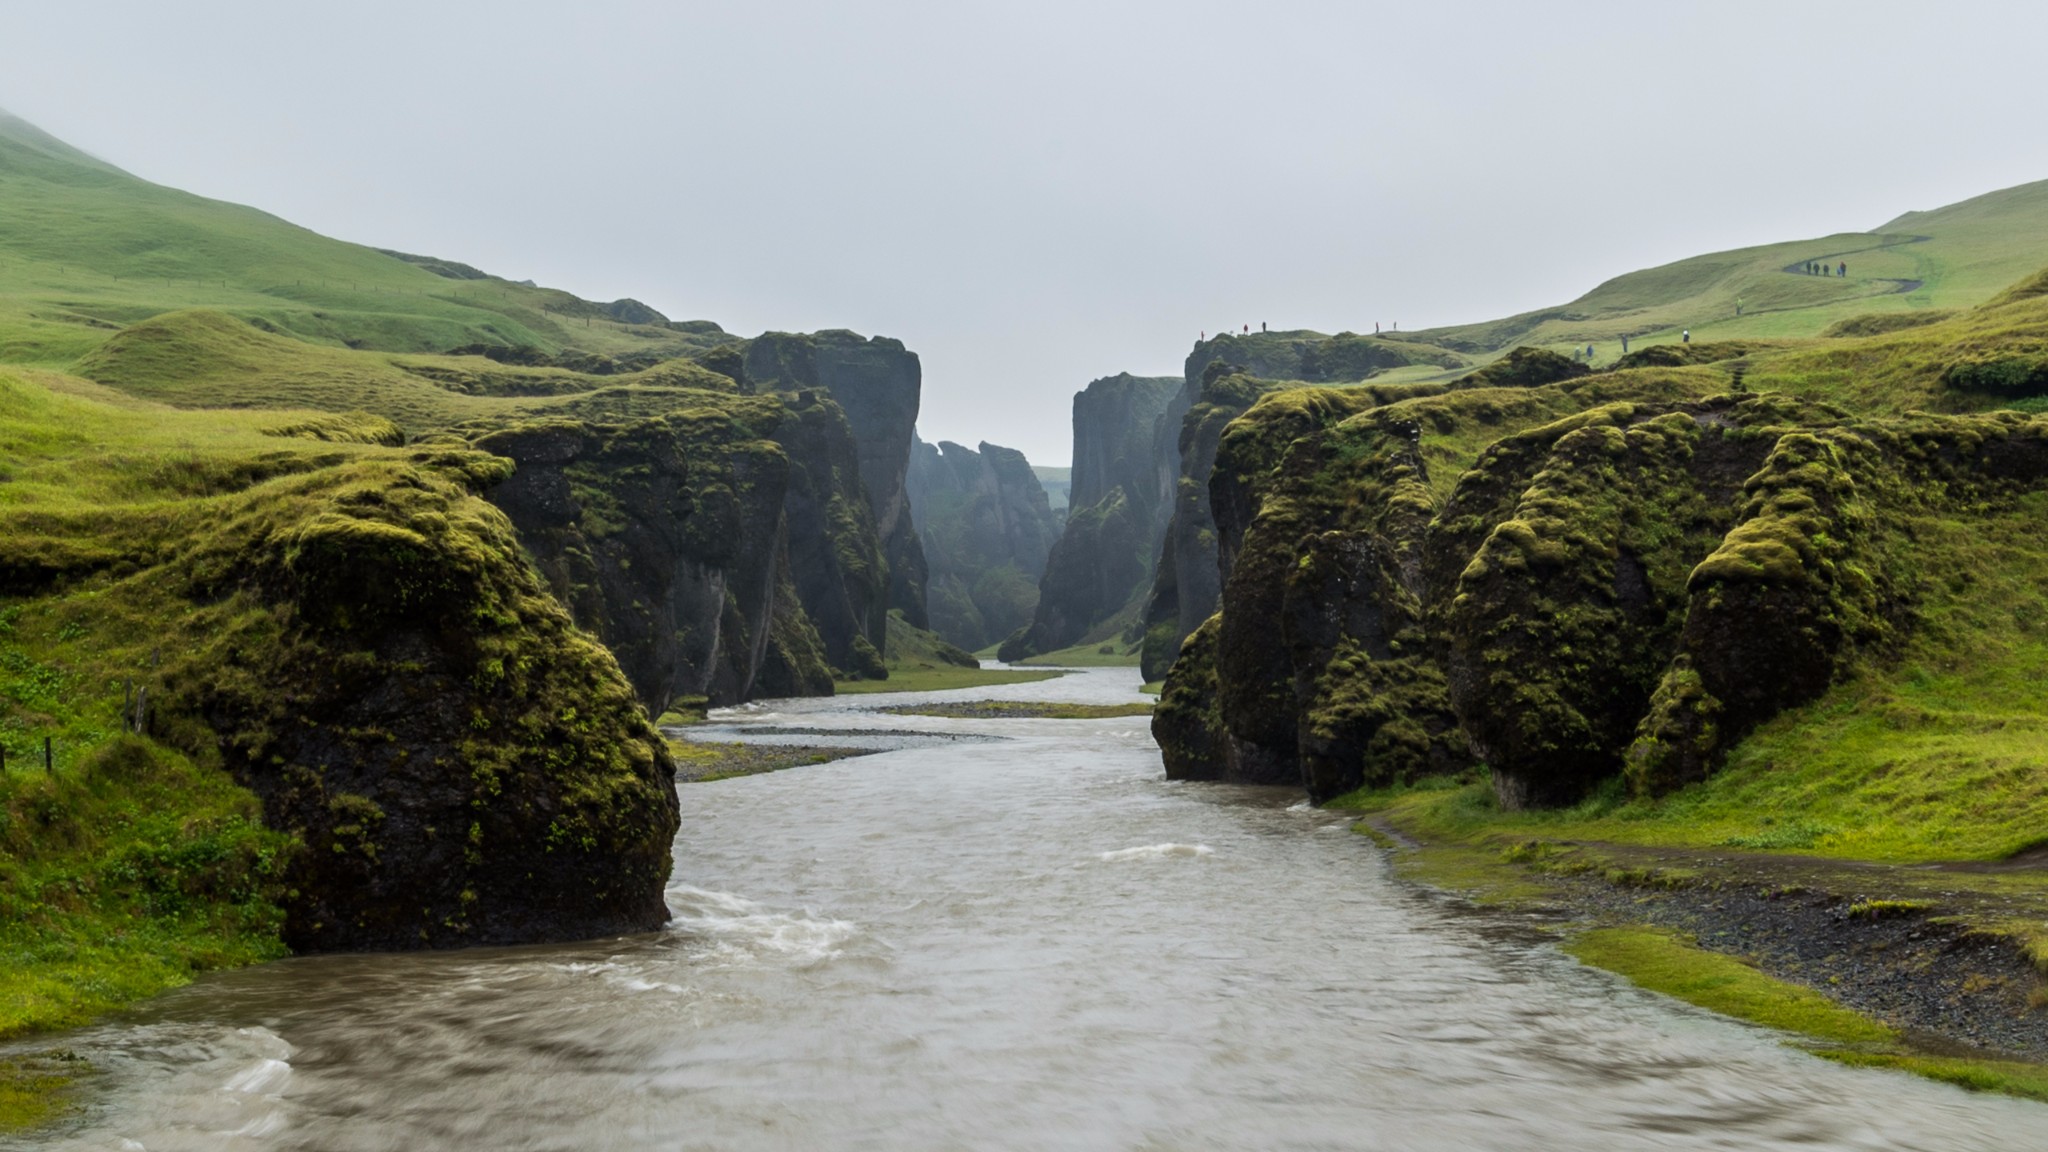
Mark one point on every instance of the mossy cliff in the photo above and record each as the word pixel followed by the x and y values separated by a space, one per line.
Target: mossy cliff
pixel 1222 378
pixel 353 634
pixel 665 539
pixel 877 383
pixel 1560 581
pixel 987 527
pixel 1101 566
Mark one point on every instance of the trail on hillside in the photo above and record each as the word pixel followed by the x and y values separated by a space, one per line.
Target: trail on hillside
pixel 1900 287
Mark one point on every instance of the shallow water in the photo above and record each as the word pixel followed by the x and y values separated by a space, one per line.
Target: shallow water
pixel 1030 943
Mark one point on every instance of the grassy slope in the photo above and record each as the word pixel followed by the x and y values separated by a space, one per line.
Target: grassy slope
pixel 130 868
pixel 1938 751
pixel 133 867
pixel 86 249
pixel 1971 251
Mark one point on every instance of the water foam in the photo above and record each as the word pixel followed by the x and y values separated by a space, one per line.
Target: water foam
pixel 739 930
pixel 1158 851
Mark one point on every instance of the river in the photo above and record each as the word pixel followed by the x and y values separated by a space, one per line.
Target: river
pixel 1030 942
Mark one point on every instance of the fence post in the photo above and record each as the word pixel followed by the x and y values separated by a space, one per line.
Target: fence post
pixel 47 769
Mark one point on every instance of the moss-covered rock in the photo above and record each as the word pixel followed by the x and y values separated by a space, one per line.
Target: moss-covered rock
pixel 1628 573
pixel 1187 723
pixel 371 654
pixel 663 537
pixel 1526 368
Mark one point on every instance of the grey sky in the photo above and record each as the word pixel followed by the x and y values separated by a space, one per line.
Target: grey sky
pixel 1035 195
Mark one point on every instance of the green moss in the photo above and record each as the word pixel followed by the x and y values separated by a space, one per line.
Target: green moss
pixel 1665 963
pixel 216 596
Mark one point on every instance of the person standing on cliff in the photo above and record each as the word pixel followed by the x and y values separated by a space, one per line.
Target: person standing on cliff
pixel 1685 337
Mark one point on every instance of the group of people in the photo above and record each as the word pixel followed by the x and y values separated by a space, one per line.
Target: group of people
pixel 1820 268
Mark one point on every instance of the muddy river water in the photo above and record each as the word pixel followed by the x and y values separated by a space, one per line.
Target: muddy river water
pixel 1031 942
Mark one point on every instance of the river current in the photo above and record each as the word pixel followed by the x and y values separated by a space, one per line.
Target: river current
pixel 1023 943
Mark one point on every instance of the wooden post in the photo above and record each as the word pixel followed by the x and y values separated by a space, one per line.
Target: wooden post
pixel 47 769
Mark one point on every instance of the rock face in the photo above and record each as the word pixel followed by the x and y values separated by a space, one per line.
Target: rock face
pixel 379 664
pixel 877 383
pixel 1225 376
pixel 986 525
pixel 724 550
pixel 1629 577
pixel 1115 518
pixel 836 563
pixel 664 537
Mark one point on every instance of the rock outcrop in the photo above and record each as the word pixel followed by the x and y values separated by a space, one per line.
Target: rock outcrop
pixel 877 383
pixel 1102 562
pixel 1224 377
pixel 664 537
pixel 987 526
pixel 367 649
pixel 1631 575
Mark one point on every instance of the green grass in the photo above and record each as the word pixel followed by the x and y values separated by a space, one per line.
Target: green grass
pixel 1936 754
pixel 1020 710
pixel 126 872
pixel 1664 963
pixel 700 762
pixel 132 538
pixel 38 1088
pixel 1974 250
pixel 87 250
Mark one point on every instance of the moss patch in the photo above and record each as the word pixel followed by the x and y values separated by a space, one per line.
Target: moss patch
pixel 1665 963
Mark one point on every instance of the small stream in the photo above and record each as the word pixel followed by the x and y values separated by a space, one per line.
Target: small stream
pixel 1030 942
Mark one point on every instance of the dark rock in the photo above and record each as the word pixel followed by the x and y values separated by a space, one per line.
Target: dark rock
pixel 662 537
pixel 460 763
pixel 631 311
pixel 877 383
pixel 987 526
pixel 1102 564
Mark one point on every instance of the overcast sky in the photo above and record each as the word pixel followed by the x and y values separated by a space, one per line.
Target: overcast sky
pixel 1032 196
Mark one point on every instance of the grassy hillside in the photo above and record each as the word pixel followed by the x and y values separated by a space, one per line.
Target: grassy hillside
pixel 1948 258
pixel 195 505
pixel 185 593
pixel 87 249
pixel 1924 741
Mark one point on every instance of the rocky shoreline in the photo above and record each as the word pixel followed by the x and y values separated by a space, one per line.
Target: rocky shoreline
pixel 1939 953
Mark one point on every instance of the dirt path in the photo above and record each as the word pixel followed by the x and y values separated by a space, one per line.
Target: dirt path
pixel 1899 287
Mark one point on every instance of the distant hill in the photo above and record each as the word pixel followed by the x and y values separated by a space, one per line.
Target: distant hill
pixel 1947 258
pixel 87 249
pixel 1058 483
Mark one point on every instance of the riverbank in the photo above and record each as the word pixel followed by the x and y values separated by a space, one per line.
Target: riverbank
pixel 1936 969
pixel 1016 710
pixel 699 762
